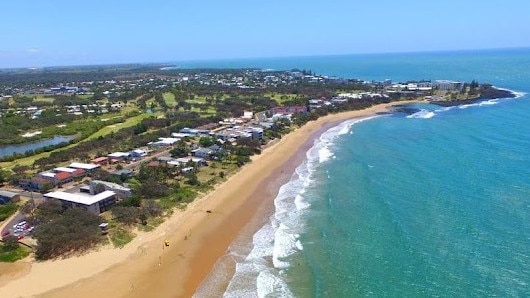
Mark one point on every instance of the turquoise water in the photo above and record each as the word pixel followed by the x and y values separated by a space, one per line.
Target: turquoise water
pixel 431 204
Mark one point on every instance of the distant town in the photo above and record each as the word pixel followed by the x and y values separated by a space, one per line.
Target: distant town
pixel 91 154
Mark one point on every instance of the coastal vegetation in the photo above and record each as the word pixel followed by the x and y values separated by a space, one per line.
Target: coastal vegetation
pixel 7 210
pixel 11 251
pixel 117 109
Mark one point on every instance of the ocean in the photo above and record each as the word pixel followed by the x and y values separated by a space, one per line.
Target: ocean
pixel 436 203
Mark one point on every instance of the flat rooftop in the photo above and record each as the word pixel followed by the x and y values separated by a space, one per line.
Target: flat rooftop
pixel 84 166
pixel 80 198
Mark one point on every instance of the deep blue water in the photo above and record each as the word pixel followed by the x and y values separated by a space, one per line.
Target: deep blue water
pixel 431 204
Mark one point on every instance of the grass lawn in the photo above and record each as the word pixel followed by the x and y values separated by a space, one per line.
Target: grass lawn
pixel 42 98
pixel 169 98
pixel 152 223
pixel 7 210
pixel 119 237
pixel 280 98
pixel 13 254
pixel 197 99
pixel 115 127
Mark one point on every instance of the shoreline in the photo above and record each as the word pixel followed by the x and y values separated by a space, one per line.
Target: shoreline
pixel 145 267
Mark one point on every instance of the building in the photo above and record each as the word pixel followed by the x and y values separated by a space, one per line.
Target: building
pixel 164 142
pixel 100 161
pixel 95 204
pixel 448 85
pixel 127 173
pixel 119 156
pixel 315 103
pixel 257 133
pixel 63 177
pixel 137 154
pixel 88 167
pixel 183 161
pixel 203 152
pixel 56 178
pixel 36 183
pixel 122 192
pixel 289 110
pixel 7 196
pixel 74 172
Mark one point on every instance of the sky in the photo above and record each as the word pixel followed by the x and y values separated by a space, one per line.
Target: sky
pixel 60 32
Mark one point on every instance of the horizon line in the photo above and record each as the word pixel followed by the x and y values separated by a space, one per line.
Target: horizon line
pixel 171 62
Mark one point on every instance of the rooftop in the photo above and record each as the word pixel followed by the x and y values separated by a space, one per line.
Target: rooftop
pixel 80 198
pixel 84 166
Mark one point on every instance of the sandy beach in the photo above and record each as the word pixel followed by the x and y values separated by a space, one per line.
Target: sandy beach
pixel 145 267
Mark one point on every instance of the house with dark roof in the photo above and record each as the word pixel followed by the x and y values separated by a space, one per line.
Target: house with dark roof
pixel 7 196
pixel 289 110
pixel 127 173
pixel 203 152
pixel 36 183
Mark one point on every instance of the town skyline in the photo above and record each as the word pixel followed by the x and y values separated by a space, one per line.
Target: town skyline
pixel 64 34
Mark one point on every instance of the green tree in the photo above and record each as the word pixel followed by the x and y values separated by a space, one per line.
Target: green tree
pixel 206 141
pixel 10 242
pixel 73 231
pixel 126 215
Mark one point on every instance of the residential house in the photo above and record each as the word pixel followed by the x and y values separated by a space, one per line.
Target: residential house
pixel 119 156
pixel 74 172
pixel 197 160
pixel 102 160
pixel 203 152
pixel 289 110
pixel 7 196
pixel 127 173
pixel 36 183
pixel 63 177
pixel 164 159
pixel 137 154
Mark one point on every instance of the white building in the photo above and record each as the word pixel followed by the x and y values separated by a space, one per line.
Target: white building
pixel 448 85
pixel 95 204
pixel 85 166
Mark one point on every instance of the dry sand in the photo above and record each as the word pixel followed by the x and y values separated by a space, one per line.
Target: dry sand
pixel 144 267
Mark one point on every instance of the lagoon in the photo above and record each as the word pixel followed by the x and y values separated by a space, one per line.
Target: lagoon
pixel 22 148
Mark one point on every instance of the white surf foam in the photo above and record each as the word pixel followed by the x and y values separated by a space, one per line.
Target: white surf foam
pixel 444 109
pixel 480 104
pixel 422 114
pixel 260 268
pixel 324 154
pixel 517 94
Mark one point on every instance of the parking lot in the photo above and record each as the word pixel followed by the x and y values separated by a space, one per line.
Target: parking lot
pixel 18 227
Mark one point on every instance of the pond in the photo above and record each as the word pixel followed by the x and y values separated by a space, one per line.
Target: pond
pixel 22 148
